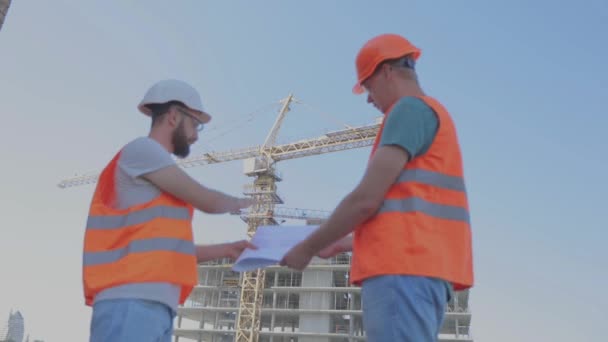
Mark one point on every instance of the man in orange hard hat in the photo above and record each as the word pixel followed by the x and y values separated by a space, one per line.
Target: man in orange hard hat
pixel 140 260
pixel 410 216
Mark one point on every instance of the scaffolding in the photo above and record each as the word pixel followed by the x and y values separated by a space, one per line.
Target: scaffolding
pixel 316 305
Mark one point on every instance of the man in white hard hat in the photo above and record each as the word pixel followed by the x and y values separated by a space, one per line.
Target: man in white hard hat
pixel 140 260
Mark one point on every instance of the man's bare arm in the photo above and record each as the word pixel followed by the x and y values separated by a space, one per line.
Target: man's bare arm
pixel 230 250
pixel 363 202
pixel 175 181
pixel 357 207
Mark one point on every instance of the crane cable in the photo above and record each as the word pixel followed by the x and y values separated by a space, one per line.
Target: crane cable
pixel 326 116
pixel 237 123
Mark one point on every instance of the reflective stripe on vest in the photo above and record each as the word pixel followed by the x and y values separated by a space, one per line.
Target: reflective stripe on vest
pixel 138 246
pixel 137 217
pixel 436 179
pixel 432 178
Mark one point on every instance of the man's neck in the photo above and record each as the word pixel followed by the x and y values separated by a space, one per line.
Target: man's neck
pixel 161 138
pixel 409 88
pixel 404 89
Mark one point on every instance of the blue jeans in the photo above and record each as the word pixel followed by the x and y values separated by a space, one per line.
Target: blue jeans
pixel 403 308
pixel 130 320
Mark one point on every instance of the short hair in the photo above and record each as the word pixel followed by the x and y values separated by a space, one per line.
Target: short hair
pixel 406 65
pixel 160 109
pixel 403 62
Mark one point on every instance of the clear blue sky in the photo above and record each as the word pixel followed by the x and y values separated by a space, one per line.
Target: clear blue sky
pixel 525 81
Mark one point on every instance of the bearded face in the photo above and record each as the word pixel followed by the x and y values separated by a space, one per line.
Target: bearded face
pixel 181 142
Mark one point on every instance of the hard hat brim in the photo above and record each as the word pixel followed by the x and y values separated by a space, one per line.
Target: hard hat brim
pixel 358 89
pixel 203 116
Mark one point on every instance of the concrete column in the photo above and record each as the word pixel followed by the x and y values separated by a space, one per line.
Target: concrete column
pixel 274 305
pixel 179 325
pixel 316 322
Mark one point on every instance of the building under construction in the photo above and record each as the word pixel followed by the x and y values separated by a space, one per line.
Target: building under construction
pixel 316 305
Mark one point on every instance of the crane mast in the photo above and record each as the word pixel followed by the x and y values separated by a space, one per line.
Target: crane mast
pixel 263 190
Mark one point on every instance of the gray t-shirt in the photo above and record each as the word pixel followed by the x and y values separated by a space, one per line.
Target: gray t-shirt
pixel 141 156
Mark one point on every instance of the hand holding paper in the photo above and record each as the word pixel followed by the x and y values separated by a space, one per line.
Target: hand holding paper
pixel 273 243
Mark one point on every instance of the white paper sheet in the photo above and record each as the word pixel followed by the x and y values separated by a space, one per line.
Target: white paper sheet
pixel 273 242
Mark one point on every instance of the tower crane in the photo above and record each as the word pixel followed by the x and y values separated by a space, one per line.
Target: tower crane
pixel 260 164
pixel 4 5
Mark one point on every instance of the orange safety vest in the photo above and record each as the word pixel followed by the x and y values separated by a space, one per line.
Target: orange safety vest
pixel 422 227
pixel 150 242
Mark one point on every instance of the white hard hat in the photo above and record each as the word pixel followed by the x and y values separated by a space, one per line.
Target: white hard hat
pixel 174 90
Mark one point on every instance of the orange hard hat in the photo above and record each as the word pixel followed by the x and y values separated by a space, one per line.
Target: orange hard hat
pixel 379 49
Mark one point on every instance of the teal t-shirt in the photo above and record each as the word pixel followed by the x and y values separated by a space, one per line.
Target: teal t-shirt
pixel 412 125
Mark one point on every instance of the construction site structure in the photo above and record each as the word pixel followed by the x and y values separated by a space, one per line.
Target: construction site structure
pixel 260 163
pixel 315 305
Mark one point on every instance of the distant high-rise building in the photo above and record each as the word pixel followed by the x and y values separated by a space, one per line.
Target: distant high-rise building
pixel 14 330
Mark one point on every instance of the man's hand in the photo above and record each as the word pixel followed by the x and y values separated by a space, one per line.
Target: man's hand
pixel 241 203
pixel 298 257
pixel 230 250
pixel 234 249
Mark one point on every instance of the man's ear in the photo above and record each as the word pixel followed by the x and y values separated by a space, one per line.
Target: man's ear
pixel 386 69
pixel 173 117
